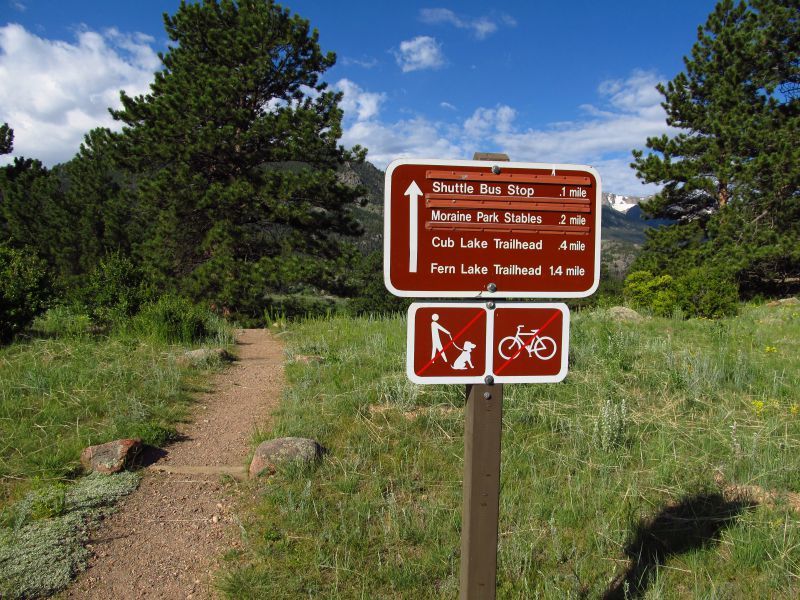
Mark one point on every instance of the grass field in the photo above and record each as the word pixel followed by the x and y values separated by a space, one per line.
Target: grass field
pixel 658 469
pixel 63 389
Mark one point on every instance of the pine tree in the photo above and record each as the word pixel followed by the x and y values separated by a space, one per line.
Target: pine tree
pixel 71 215
pixel 6 139
pixel 733 165
pixel 235 154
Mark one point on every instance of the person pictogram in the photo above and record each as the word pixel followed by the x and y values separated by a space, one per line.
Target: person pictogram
pixel 437 349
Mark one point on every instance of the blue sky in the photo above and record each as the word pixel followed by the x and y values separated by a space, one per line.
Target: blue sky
pixel 569 81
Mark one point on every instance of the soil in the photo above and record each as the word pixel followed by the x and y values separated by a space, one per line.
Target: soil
pixel 167 539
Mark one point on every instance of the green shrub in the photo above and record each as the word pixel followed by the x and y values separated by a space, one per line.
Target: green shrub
pixel 24 290
pixel 301 305
pixel 652 292
pixel 115 290
pixel 173 320
pixel 707 292
pixel 64 322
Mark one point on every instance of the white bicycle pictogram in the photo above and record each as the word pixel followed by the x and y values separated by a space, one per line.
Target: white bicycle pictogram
pixel 543 346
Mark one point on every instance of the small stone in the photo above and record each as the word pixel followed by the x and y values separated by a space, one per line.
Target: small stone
pixel 308 358
pixel 623 313
pixel 272 453
pixel 215 519
pixel 111 457
pixel 204 355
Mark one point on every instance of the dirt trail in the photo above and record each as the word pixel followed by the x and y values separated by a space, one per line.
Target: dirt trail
pixel 167 538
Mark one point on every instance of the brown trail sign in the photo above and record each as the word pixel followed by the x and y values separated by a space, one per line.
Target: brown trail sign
pixel 488 229
pixel 483 229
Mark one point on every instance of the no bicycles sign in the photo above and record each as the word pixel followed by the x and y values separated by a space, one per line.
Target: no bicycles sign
pixel 468 342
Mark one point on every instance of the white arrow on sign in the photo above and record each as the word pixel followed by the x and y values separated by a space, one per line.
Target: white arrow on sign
pixel 413 192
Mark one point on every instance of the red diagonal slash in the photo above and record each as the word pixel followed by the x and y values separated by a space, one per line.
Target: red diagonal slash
pixel 546 323
pixel 452 341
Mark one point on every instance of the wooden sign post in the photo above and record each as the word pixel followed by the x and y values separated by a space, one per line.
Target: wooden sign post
pixel 480 231
pixel 480 510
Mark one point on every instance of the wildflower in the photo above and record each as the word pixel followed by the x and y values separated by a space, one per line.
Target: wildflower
pixel 769 349
pixel 794 409
pixel 758 405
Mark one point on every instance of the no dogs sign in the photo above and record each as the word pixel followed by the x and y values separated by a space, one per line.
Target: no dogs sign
pixel 468 342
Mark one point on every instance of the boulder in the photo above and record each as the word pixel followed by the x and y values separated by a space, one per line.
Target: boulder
pixel 111 457
pixel 203 355
pixel 623 313
pixel 271 454
pixel 790 301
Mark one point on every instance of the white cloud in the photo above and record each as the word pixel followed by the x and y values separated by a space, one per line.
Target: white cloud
pixel 485 121
pixel 447 105
pixel 53 92
pixel 629 111
pixel 422 52
pixel 417 137
pixel 365 63
pixel 481 27
pixel 364 105
pixel 632 112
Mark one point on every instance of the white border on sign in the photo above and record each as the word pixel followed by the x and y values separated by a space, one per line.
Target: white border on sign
pixel 410 331
pixel 562 373
pixel 484 294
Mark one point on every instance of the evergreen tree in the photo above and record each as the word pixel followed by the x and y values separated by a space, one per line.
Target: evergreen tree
pixel 72 215
pixel 732 167
pixel 235 154
pixel 6 139
pixel 103 219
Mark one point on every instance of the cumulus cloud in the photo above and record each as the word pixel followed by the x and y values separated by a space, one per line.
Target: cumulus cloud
pixel 417 137
pixel 358 103
pixel 481 27
pixel 630 112
pixel 627 112
pixel 421 52
pixel 485 121
pixel 53 92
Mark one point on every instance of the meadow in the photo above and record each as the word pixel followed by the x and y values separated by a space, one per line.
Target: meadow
pixel 662 467
pixel 67 386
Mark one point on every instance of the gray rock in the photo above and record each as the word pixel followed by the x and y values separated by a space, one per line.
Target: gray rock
pixel 790 301
pixel 111 457
pixel 623 313
pixel 203 355
pixel 273 453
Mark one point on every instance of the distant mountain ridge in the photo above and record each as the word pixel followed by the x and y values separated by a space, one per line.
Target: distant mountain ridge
pixel 622 219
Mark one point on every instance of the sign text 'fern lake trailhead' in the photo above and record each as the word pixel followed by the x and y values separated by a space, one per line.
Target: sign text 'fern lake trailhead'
pixel 472 228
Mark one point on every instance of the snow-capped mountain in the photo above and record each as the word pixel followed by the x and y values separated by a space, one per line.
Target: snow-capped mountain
pixel 621 203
